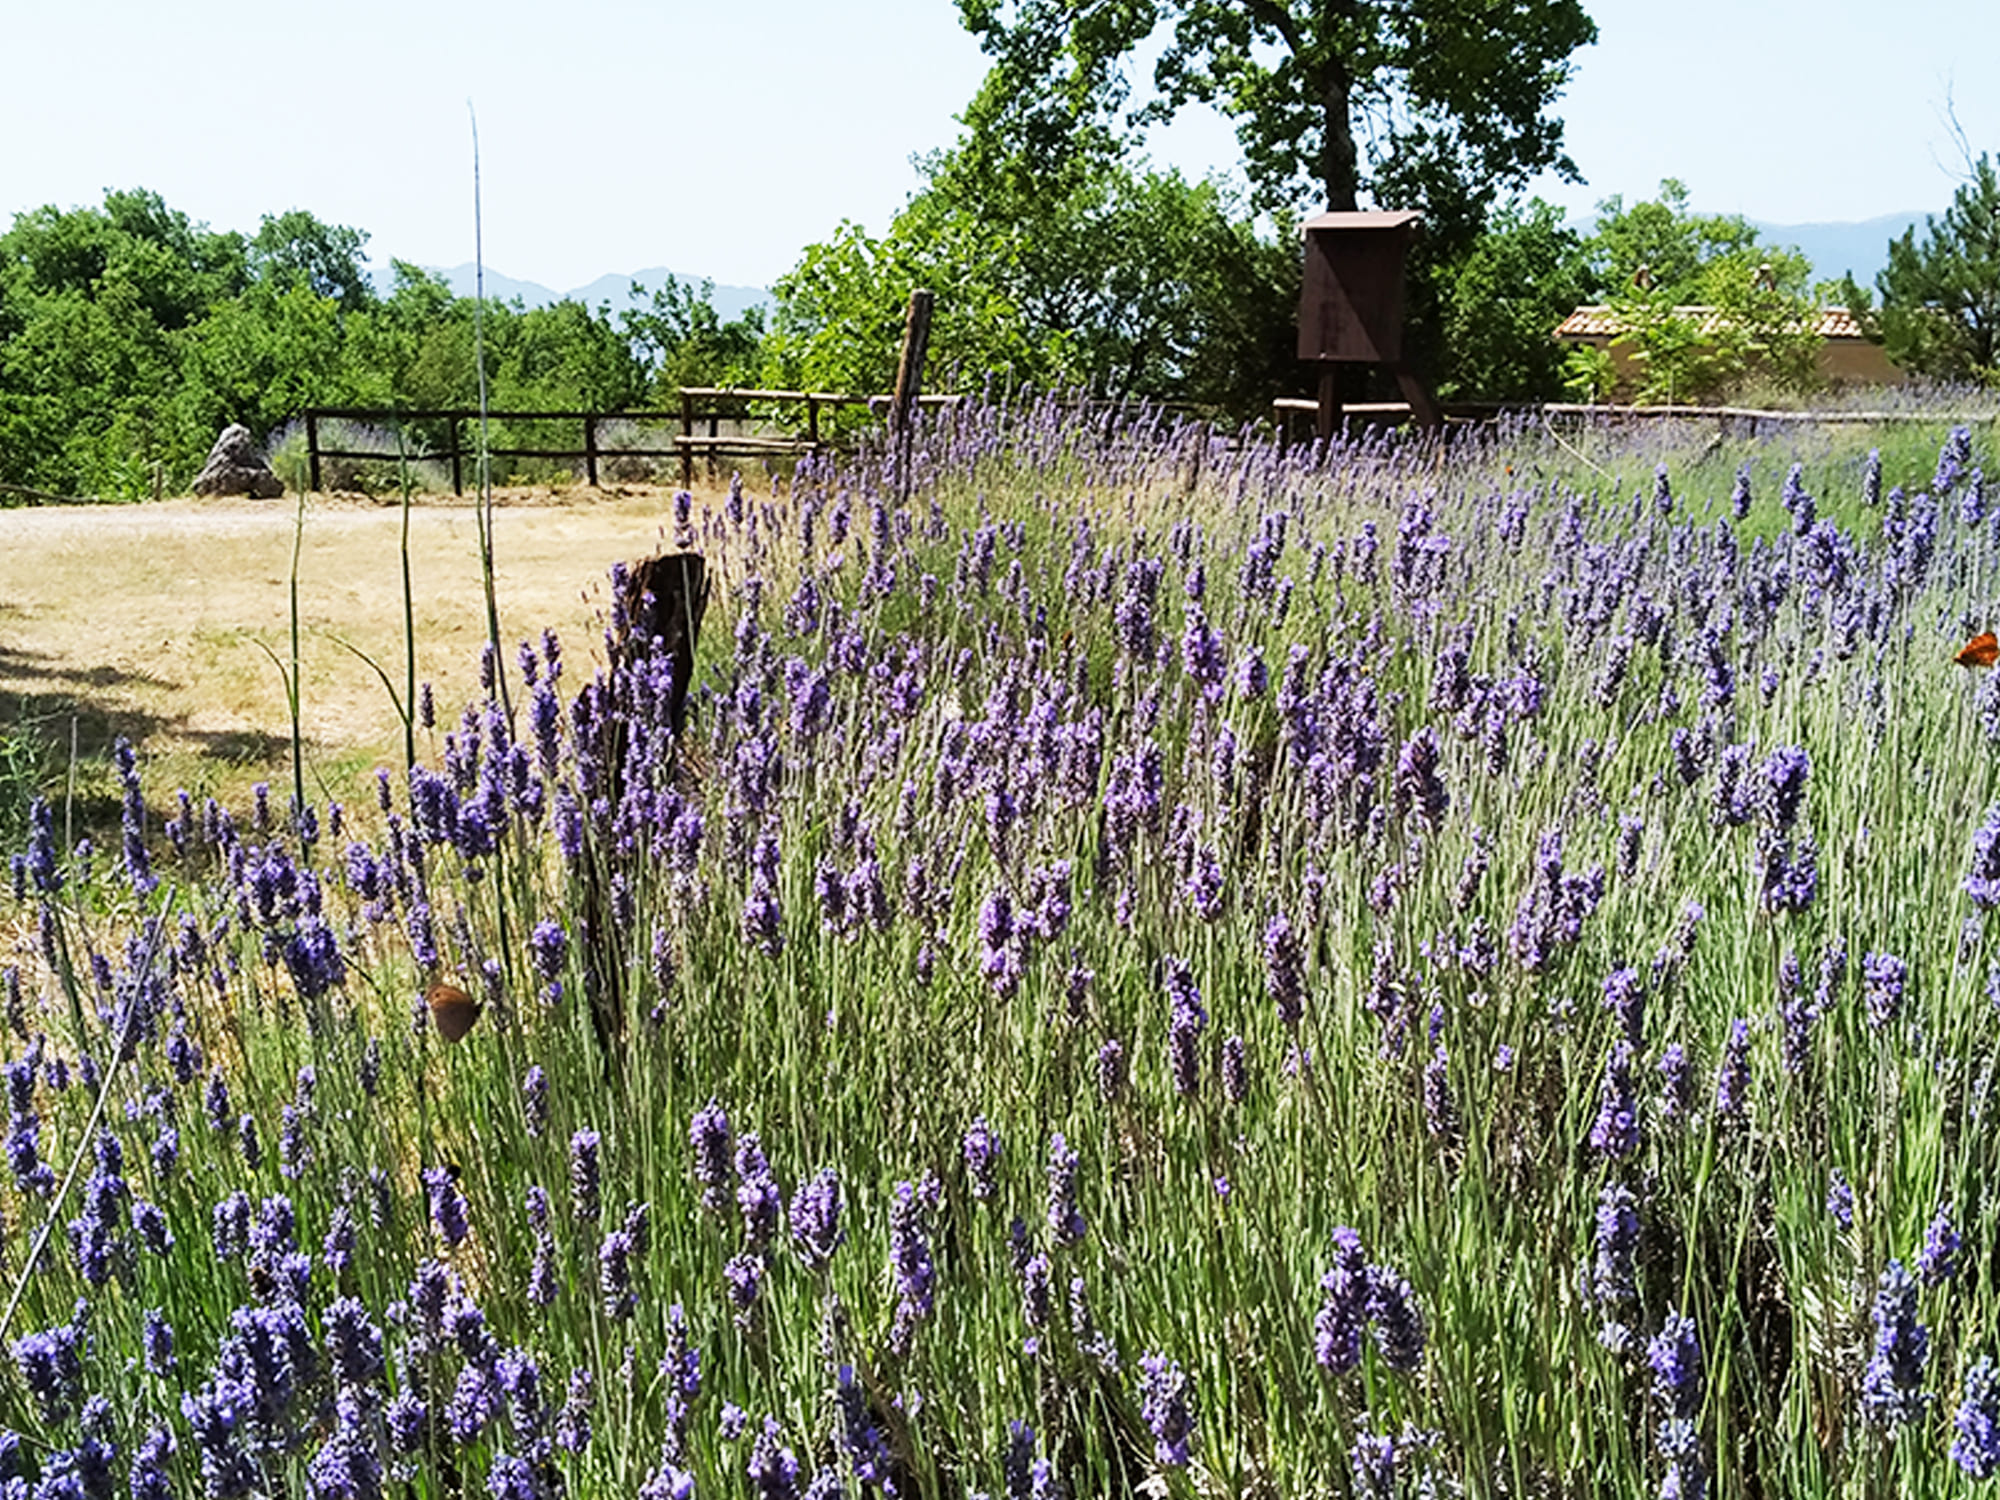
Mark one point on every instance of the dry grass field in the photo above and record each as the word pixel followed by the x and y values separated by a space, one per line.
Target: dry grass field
pixel 152 621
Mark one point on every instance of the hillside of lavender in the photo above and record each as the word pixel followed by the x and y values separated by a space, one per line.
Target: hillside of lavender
pixel 1157 966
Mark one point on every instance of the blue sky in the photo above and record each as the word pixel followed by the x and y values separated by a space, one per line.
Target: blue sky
pixel 719 139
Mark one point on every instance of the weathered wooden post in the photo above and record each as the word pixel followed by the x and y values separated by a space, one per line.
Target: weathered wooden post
pixel 687 440
pixel 312 450
pixel 590 449
pixel 660 605
pixel 909 381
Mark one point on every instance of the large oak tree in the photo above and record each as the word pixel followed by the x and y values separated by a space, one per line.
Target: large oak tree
pixel 1436 104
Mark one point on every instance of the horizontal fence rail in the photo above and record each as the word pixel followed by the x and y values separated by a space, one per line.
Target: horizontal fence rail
pixel 700 406
pixel 1728 418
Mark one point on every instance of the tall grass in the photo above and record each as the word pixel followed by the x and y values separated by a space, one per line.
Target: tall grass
pixel 1373 971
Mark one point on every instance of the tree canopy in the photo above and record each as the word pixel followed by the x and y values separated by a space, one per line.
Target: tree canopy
pixel 1112 276
pixel 1433 104
pixel 130 335
pixel 1940 313
pixel 1705 306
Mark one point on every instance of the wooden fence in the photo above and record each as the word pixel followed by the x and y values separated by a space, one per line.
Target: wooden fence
pixel 700 407
pixel 1286 410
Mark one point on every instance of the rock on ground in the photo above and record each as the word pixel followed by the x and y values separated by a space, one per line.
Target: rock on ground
pixel 235 467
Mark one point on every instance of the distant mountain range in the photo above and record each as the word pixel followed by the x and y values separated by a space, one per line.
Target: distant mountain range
pixel 729 301
pixel 1860 249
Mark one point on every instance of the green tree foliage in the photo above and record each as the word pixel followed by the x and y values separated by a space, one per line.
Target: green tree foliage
pixel 326 258
pixel 1107 276
pixel 1442 107
pixel 1500 302
pixel 1940 313
pixel 129 336
pixel 1413 104
pixel 1703 305
pixel 679 338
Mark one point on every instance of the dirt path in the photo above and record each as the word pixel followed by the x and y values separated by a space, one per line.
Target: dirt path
pixel 151 621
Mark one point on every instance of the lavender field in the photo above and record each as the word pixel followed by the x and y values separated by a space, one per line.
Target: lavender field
pixel 1159 967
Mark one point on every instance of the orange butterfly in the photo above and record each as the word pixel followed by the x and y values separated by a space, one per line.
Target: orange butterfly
pixel 452 1009
pixel 1982 650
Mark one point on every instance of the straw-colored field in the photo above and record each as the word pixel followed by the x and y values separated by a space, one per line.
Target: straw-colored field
pixel 153 621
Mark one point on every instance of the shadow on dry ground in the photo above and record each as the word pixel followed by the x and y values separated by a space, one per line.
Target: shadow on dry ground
pixel 167 624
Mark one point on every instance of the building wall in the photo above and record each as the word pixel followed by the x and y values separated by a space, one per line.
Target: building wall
pixel 1843 362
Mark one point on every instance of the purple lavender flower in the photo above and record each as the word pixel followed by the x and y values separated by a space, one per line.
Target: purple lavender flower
pixel 1187 1020
pixel 1000 951
pixel 1976 1448
pixel 1952 460
pixel 1790 871
pixel 1612 1279
pixel 1937 1261
pixel 758 1198
pixel 1674 1354
pixel 475 1402
pixel 773 1468
pixel 1284 969
pixel 1399 1327
pixel 1420 789
pixel 585 1201
pixel 1892 1386
pixel 616 1293
pixel 1982 881
pixel 1675 1357
pixel 982 1156
pixel 1784 774
pixel 911 1268
pixel 535 1100
pixel 1625 997
pixel 1204 884
pixel 860 1435
pixel 1066 1224
pixel 447 1204
pixel 353 1342
pixel 763 916
pixel 743 1277
pixel 714 1148
pixel 1372 1459
pixel 1110 1069
pixel 1840 1198
pixel 815 1218
pixel 215 1415
pixel 1615 1132
pixel 156 1343
pixel 1166 1404
pixel 1235 1071
pixel 51 1366
pixel 1886 980
pixel 1732 1075
pixel 573 1422
pixel 150 1479
pixel 1343 1315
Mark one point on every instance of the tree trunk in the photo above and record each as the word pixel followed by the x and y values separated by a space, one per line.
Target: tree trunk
pixel 1340 163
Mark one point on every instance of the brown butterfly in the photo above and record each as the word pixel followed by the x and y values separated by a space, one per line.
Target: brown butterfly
pixel 1983 650
pixel 452 1009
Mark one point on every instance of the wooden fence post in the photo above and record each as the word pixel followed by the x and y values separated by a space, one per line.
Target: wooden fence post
pixel 457 473
pixel 662 600
pixel 910 368
pixel 312 450
pixel 909 379
pixel 590 449
pixel 687 447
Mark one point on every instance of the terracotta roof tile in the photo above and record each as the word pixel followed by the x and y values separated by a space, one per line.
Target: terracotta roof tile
pixel 1598 321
